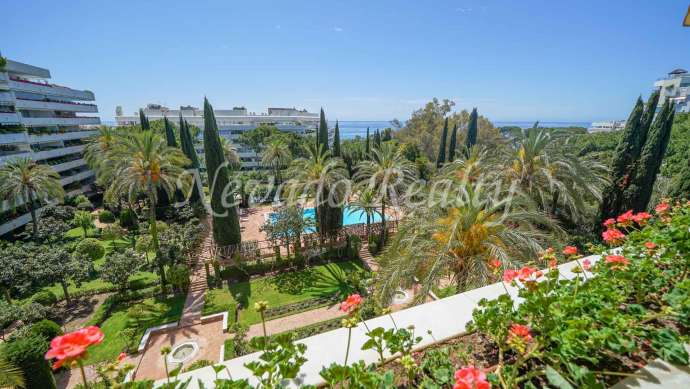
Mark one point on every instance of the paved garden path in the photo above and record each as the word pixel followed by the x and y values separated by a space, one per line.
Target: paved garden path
pixel 194 304
pixel 299 320
pixel 366 257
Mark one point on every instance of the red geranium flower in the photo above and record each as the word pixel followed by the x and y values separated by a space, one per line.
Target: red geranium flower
pixel 625 219
pixel 586 264
pixel 495 263
pixel 650 245
pixel 121 357
pixel 570 250
pixel 612 236
pixel 521 331
pixel 509 275
pixel 610 222
pixel 351 304
pixel 662 208
pixel 526 273
pixel 617 261
pixel 469 377
pixel 553 263
pixel 72 346
pixel 641 218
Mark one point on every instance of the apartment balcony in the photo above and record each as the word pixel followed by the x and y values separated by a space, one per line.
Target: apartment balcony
pixel 39 105
pixel 26 69
pixel 50 89
pixel 43 138
pixel 9 118
pixel 3 77
pixel 15 223
pixel 56 121
pixel 61 167
pixel 6 98
pixel 13 137
pixel 77 177
pixel 54 153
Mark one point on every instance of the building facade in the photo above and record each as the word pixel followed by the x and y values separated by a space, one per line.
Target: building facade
pixel 676 87
pixel 232 123
pixel 48 123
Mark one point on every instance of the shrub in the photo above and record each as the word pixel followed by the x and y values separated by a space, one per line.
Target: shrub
pixel 27 353
pixel 9 313
pixel 47 329
pixel 179 277
pixel 128 219
pixel 112 232
pixel 106 216
pixel 33 312
pixel 45 297
pixel 90 247
pixel 85 206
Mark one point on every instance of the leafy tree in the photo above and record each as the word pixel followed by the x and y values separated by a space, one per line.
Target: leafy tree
pixel 119 267
pixel 322 136
pixel 141 164
pixel 336 140
pixel 276 156
pixel 179 277
pixel 287 227
pixel 453 144
pixel 169 133
pixel 226 224
pixel 112 232
pixel 388 173
pixel 56 265
pixel 441 159
pixel 471 138
pixel 144 244
pixel 639 190
pixel 143 121
pixel 14 267
pixel 24 181
pixel 83 220
pixel 91 248
pixel 256 137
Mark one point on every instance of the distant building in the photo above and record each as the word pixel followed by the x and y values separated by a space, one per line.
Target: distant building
pixel 39 120
pixel 676 87
pixel 607 126
pixel 233 122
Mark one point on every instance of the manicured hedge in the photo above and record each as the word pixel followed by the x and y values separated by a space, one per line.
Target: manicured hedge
pixel 28 354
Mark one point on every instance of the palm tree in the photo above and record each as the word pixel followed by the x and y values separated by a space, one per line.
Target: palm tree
pixel 10 375
pixel 97 147
pixel 318 176
pixel 84 220
pixel 388 173
pixel 366 202
pixel 554 176
pixel 24 181
pixel 230 152
pixel 143 164
pixel 461 237
pixel 276 156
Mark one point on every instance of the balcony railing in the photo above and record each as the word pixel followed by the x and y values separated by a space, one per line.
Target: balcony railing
pixel 61 167
pixel 77 177
pixel 56 121
pixel 9 118
pixel 54 153
pixel 49 89
pixel 54 105
pixel 13 137
pixel 7 98
pixel 61 136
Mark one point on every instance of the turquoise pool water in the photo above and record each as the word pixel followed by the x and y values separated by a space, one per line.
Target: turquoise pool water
pixel 350 216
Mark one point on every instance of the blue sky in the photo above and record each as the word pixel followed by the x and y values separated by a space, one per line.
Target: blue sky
pixel 361 60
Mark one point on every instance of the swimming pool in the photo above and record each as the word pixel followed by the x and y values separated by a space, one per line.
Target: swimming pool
pixel 350 216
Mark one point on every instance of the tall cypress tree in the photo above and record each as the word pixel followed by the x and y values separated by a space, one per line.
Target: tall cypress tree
pixel 322 136
pixel 226 225
pixel 441 159
pixel 623 159
pixel 143 120
pixel 336 140
pixel 187 144
pixel 639 191
pixel 452 144
pixel 471 138
pixel 367 149
pixel 646 120
pixel 377 139
pixel 169 133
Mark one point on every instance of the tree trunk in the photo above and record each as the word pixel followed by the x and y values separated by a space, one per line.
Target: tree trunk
pixel 34 218
pixel 383 224
pixel 6 291
pixel 65 291
pixel 154 235
pixel 368 225
pixel 554 202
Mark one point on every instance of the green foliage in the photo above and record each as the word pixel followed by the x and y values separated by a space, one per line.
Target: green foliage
pixel 106 216
pixel 119 267
pixel 90 247
pixel 28 354
pixel 169 132
pixel 281 359
pixel 179 277
pixel 471 138
pixel 441 159
pixel 322 135
pixel 47 329
pixel 453 144
pixel 143 121
pixel 44 297
pixel 198 365
pixel 336 140
pixel 128 219
pixel 83 220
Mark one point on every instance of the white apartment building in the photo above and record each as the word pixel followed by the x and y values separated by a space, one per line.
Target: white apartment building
pixel 232 123
pixel 676 87
pixel 43 121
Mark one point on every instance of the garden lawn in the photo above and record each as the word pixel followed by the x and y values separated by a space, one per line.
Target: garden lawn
pixel 137 281
pixel 165 311
pixel 285 288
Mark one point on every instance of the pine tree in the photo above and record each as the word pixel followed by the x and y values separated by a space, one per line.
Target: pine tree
pixel 322 136
pixel 441 159
pixel 471 138
pixel 623 159
pixel 143 120
pixel 452 144
pixel 226 225
pixel 187 145
pixel 639 191
pixel 169 133
pixel 336 140
pixel 367 148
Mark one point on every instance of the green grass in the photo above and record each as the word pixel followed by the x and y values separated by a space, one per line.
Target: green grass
pixel 78 233
pixel 164 311
pixel 285 288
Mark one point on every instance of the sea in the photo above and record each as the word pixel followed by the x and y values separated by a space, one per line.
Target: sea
pixel 350 129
